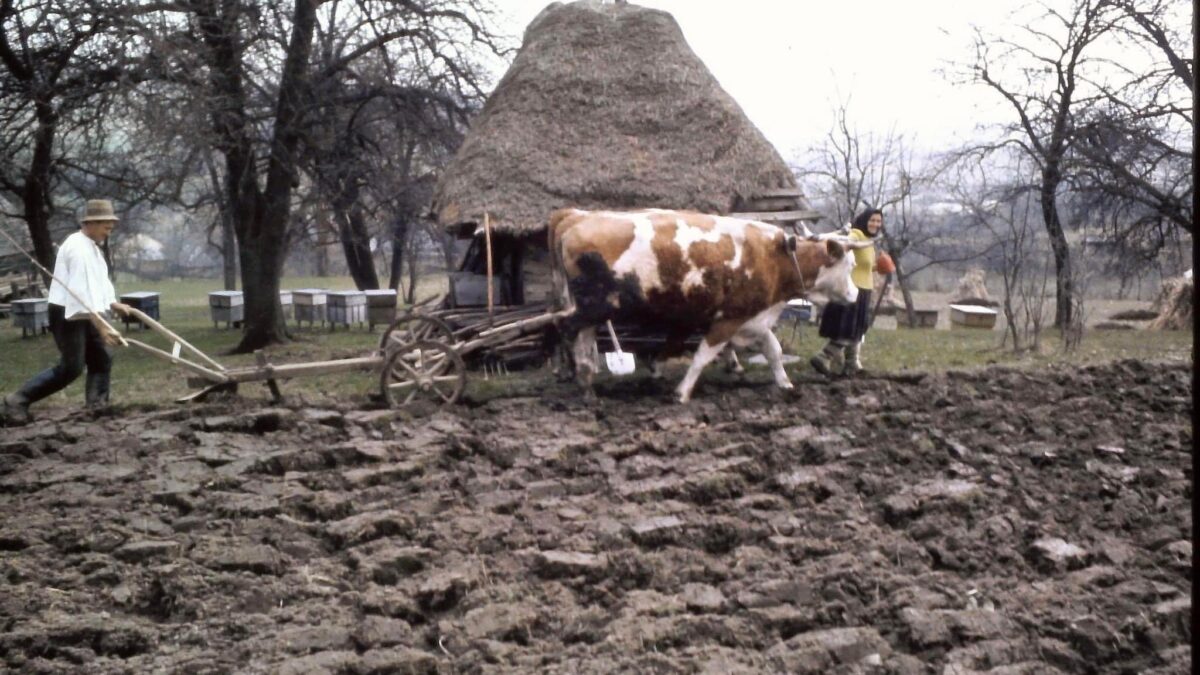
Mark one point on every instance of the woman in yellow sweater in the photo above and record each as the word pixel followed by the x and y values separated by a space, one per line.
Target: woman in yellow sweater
pixel 845 325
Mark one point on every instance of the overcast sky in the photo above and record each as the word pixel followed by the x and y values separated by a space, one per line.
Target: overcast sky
pixel 788 62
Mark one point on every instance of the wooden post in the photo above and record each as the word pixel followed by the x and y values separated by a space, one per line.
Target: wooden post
pixel 887 281
pixel 487 239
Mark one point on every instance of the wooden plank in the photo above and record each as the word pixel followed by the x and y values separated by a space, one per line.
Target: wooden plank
pixel 778 216
pixel 533 322
pixel 777 192
pixel 775 204
pixel 286 371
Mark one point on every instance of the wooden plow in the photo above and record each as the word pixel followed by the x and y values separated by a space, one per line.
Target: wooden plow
pixel 421 356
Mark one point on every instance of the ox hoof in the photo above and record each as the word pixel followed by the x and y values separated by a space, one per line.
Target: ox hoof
pixel 784 385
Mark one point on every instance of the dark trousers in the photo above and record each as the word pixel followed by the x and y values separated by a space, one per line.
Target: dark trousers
pixel 80 345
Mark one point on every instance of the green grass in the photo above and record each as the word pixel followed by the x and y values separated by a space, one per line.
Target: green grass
pixel 933 350
pixel 140 379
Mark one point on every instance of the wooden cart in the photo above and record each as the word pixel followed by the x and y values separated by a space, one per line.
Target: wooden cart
pixel 423 355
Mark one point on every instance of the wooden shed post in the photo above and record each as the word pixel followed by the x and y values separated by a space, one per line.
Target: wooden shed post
pixel 487 239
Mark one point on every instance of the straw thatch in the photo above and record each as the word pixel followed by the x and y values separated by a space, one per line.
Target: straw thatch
pixel 605 106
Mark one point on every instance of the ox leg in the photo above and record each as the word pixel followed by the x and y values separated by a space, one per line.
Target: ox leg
pixel 704 355
pixel 586 359
pixel 732 364
pixel 774 353
pixel 656 368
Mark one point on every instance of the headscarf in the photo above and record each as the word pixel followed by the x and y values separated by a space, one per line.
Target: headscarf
pixel 861 220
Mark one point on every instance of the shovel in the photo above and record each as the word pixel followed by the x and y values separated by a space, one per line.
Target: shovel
pixel 619 363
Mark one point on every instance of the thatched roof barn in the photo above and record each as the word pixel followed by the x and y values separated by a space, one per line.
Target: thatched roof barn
pixel 606 106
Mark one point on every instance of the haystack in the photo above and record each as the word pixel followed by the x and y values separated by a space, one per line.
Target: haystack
pixel 972 290
pixel 1174 304
pixel 605 106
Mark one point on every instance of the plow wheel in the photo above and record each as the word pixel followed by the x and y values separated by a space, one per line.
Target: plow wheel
pixel 412 328
pixel 422 371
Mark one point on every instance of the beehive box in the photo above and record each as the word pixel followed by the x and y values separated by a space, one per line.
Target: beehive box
pixel 797 309
pixel 228 307
pixel 285 303
pixel 972 316
pixel 31 315
pixel 346 308
pixel 309 305
pixel 925 318
pixel 146 301
pixel 381 307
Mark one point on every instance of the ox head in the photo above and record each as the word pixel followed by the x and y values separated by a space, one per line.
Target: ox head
pixel 833 282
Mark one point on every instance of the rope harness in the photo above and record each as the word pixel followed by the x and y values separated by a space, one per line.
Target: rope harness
pixel 790 243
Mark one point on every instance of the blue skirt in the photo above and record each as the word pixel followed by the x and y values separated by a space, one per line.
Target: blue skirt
pixel 846 322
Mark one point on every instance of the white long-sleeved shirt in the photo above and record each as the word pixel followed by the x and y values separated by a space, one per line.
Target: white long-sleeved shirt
pixel 80 265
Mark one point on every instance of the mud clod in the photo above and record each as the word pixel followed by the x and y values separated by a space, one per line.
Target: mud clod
pixel 999 521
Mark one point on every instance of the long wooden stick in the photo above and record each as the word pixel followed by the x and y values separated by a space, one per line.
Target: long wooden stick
pixel 487 238
pixel 886 282
pixel 210 375
pixel 167 333
pixel 78 299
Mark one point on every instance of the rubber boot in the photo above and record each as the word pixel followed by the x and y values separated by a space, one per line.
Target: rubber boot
pixel 853 363
pixel 829 360
pixel 96 391
pixel 15 410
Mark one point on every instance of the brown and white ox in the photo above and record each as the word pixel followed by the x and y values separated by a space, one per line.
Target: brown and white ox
pixel 688 273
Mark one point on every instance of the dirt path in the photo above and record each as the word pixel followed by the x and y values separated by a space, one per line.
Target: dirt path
pixel 1008 520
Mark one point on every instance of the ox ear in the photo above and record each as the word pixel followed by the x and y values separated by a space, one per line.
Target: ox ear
pixel 834 249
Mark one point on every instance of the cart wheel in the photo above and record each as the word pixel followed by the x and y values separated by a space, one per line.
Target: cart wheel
pixel 411 328
pixel 423 370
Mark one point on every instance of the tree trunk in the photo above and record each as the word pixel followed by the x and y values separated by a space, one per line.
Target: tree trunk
pixel 399 241
pixel 1064 286
pixel 36 196
pixel 902 281
pixel 414 270
pixel 356 245
pixel 262 267
pixel 229 253
pixel 229 256
pixel 322 258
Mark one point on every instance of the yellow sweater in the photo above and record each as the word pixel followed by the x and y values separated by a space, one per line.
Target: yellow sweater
pixel 864 262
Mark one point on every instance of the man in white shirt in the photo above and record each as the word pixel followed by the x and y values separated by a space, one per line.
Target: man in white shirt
pixel 82 339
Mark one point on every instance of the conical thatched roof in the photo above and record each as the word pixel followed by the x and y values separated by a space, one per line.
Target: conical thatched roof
pixel 605 106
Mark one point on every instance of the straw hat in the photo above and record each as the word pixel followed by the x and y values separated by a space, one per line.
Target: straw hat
pixel 98 210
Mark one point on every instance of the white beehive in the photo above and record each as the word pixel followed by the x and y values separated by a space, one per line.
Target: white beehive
pixel 31 315
pixel 381 307
pixel 972 316
pixel 346 308
pixel 310 305
pixel 227 306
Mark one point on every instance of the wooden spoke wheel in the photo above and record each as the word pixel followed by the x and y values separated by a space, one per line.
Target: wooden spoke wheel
pixel 412 328
pixel 423 370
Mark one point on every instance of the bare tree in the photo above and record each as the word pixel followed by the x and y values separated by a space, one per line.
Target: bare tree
pixel 59 64
pixel 260 124
pixel 1133 149
pixel 1005 212
pixel 851 171
pixel 1041 72
pixel 370 134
